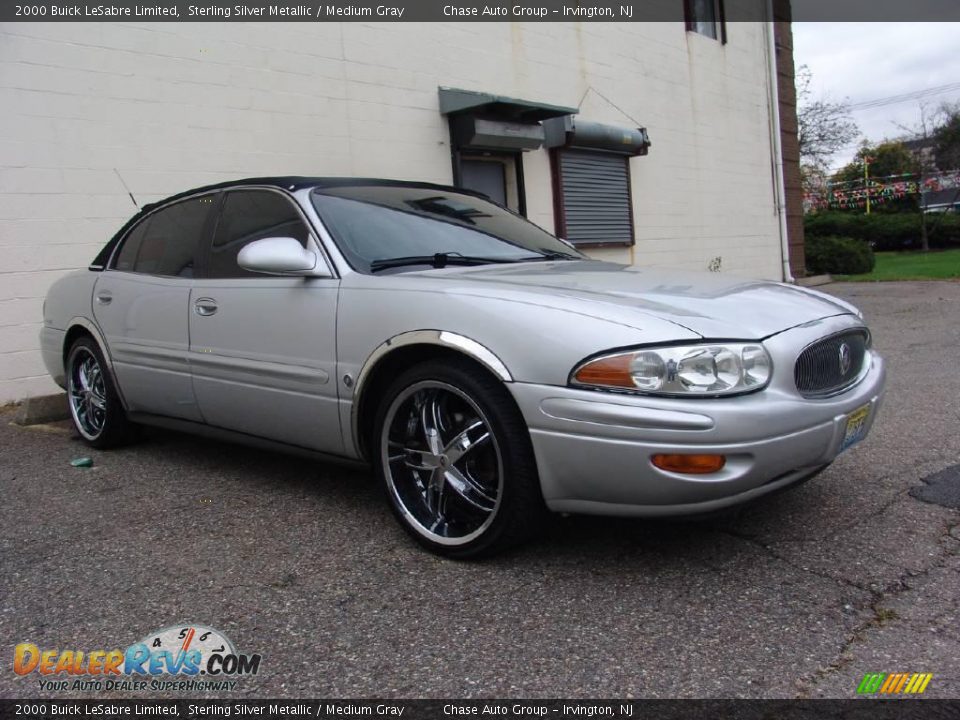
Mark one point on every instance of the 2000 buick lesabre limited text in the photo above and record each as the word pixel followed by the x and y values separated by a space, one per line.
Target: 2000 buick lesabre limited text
pixel 487 370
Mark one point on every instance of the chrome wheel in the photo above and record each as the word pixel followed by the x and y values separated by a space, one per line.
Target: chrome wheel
pixel 88 396
pixel 442 462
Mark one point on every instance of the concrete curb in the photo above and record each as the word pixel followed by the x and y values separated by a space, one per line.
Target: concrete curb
pixel 814 280
pixel 42 409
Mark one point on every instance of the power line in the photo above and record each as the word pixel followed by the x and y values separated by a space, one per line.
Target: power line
pixel 937 175
pixel 905 97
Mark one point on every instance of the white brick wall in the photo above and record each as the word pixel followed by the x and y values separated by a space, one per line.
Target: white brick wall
pixel 175 106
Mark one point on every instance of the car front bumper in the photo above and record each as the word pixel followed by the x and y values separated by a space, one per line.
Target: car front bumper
pixel 594 448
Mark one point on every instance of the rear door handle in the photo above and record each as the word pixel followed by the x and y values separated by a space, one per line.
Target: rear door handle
pixel 104 297
pixel 205 306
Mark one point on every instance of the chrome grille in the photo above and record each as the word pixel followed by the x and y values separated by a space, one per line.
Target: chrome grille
pixel 831 364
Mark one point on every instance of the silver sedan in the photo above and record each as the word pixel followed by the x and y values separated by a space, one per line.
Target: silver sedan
pixel 487 371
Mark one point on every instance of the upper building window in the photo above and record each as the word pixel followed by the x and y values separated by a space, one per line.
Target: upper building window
pixel 706 18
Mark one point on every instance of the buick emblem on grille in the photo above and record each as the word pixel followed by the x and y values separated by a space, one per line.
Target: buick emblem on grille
pixel 845 359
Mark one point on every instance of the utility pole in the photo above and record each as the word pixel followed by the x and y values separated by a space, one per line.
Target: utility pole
pixel 866 179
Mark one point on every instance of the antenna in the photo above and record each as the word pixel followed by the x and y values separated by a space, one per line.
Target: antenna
pixel 127 189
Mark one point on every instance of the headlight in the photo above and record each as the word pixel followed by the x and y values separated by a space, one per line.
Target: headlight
pixel 722 369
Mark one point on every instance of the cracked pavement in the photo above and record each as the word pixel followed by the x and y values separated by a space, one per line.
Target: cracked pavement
pixel 797 595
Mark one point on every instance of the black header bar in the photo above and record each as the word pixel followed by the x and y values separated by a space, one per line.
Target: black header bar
pixel 462 10
pixel 859 709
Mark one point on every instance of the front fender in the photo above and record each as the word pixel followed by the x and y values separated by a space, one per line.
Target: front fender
pixel 517 340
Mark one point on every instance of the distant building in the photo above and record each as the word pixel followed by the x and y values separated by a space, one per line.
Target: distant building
pixel 925 152
pixel 938 201
pixel 943 193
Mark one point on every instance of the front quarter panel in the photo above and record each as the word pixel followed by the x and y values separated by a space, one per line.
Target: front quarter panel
pixel 536 343
pixel 532 343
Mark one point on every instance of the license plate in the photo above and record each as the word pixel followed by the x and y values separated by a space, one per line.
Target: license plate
pixel 856 427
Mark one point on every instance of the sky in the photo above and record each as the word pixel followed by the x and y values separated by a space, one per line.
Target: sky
pixel 858 62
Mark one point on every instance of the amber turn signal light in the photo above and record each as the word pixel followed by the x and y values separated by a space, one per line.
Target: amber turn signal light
pixel 609 372
pixel 689 464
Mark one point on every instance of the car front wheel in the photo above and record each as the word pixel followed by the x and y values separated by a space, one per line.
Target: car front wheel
pixel 456 460
pixel 94 404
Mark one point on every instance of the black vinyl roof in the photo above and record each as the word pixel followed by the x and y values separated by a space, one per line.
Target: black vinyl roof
pixel 298 182
pixel 290 183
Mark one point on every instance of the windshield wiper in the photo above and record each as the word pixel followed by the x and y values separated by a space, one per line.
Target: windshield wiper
pixel 437 260
pixel 557 255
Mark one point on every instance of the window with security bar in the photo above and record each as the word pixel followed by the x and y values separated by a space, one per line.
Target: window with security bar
pixel 593 197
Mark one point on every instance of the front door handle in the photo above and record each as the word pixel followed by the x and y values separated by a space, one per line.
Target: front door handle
pixel 104 297
pixel 205 306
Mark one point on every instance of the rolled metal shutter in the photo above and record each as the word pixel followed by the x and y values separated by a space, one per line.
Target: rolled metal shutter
pixel 596 197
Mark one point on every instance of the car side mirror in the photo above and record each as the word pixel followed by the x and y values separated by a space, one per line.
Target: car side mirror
pixel 281 256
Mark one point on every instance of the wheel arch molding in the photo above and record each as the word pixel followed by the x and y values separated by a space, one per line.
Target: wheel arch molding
pixel 429 343
pixel 82 326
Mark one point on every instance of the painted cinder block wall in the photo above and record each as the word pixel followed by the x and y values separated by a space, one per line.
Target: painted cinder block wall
pixel 173 106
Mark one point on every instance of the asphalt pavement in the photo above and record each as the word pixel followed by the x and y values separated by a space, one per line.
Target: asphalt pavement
pixel 797 596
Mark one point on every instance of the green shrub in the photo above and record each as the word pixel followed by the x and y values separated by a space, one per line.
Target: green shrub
pixel 886 231
pixel 838 255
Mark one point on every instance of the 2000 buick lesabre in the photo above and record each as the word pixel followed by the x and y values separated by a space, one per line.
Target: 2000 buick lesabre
pixel 488 371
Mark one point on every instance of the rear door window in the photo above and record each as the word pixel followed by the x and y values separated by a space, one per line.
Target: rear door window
pixel 127 257
pixel 172 239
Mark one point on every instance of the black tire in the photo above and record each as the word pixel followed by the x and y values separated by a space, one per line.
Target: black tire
pixel 95 408
pixel 466 395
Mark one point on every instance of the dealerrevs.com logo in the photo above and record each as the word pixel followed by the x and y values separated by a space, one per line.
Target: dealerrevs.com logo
pixel 186 657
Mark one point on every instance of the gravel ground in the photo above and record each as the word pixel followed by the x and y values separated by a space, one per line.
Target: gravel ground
pixel 798 596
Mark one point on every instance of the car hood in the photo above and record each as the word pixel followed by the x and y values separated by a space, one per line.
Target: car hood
pixel 712 305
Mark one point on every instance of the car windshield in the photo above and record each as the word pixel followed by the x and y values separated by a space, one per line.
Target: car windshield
pixel 382 226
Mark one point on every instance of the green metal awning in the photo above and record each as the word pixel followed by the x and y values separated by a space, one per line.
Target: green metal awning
pixel 454 102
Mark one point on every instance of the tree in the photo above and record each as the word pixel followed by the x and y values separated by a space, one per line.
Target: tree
pixel 932 143
pixel 824 127
pixel 947 138
pixel 890 157
pixel 924 135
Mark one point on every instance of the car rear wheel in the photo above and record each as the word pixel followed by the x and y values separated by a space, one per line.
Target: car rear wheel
pixel 455 457
pixel 94 404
